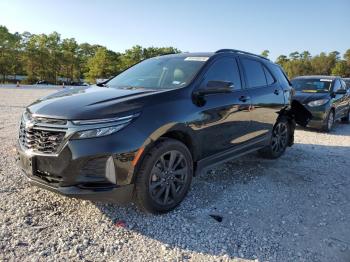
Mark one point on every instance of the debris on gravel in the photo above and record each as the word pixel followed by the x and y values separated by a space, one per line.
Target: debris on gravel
pixel 296 208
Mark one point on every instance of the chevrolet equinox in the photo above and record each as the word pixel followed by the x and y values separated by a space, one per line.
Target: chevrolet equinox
pixel 143 134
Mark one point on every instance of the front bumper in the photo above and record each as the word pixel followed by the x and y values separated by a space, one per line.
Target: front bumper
pixel 117 194
pixel 319 115
pixel 80 169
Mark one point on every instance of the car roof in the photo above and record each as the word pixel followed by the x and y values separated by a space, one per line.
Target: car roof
pixel 211 54
pixel 317 76
pixel 197 54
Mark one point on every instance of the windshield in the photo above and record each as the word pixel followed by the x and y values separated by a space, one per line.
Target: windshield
pixel 315 85
pixel 159 73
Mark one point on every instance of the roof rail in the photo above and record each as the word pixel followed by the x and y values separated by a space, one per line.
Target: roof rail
pixel 240 52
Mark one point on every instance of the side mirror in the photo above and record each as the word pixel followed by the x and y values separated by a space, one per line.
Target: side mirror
pixel 340 92
pixel 215 87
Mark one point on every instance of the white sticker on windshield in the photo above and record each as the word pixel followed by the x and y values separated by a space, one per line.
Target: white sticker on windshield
pixel 197 58
pixel 326 80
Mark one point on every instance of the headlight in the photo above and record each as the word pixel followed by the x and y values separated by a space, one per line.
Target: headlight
pixel 318 102
pixel 102 127
pixel 105 120
pixel 105 131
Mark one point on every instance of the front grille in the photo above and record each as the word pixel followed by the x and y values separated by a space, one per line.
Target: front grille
pixel 40 141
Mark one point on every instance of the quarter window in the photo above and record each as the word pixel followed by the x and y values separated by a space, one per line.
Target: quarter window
pixel 254 73
pixel 269 78
pixel 224 69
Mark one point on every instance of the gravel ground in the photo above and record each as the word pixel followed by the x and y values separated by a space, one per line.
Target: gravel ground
pixel 293 209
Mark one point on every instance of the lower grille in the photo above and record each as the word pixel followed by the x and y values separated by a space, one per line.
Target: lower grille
pixel 40 141
pixel 94 168
pixel 49 178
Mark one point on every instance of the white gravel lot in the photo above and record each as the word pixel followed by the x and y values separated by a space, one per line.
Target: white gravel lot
pixel 296 208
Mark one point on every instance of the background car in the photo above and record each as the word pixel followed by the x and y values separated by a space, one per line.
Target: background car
pixel 347 82
pixel 326 97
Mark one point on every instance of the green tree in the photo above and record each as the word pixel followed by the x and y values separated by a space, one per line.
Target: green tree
pixel 103 64
pixel 53 52
pixel 70 69
pixel 9 45
pixel 340 69
pixel 294 55
pixel 281 60
pixel 265 53
pixel 138 53
pixel 322 64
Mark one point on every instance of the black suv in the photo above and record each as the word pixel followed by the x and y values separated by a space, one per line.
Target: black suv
pixel 325 97
pixel 147 131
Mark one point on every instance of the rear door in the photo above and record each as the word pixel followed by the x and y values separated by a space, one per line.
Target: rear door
pixel 267 96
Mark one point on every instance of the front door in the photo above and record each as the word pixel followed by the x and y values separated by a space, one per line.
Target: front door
pixel 223 120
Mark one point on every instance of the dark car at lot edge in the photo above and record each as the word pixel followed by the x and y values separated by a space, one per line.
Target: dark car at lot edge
pixel 143 134
pixel 325 97
pixel 347 82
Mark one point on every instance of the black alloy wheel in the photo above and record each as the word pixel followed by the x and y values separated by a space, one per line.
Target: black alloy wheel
pixel 279 141
pixel 279 137
pixel 168 177
pixel 164 176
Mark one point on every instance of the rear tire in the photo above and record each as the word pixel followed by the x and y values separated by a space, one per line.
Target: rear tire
pixel 279 140
pixel 328 125
pixel 164 177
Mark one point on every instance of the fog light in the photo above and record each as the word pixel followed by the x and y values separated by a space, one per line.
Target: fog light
pixel 110 170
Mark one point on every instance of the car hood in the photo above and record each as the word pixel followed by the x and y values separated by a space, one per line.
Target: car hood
pixel 90 102
pixel 304 97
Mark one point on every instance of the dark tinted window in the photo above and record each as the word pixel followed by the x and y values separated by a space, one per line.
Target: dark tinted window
pixel 269 78
pixel 312 85
pixel 224 69
pixel 281 75
pixel 160 72
pixel 343 84
pixel 254 72
pixel 337 85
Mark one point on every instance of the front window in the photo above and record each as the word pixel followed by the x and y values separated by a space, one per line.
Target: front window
pixel 315 85
pixel 159 73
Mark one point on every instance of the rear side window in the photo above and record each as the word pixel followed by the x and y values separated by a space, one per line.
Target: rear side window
pixel 281 76
pixel 254 72
pixel 223 69
pixel 269 78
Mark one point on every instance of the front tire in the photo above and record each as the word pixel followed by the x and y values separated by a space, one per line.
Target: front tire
pixel 278 141
pixel 328 125
pixel 164 177
pixel 346 119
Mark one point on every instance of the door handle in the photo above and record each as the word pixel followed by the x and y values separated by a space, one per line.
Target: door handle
pixel 244 98
pixel 276 92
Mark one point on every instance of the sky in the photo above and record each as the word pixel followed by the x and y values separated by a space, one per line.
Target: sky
pixel 189 25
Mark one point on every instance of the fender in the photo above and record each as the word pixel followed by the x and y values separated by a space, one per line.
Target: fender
pixel 169 130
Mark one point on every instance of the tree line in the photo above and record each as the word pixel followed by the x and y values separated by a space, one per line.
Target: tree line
pixel 53 59
pixel 50 58
pixel 302 63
